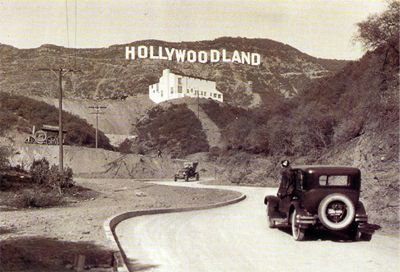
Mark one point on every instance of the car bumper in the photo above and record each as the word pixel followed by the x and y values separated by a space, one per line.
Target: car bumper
pixel 360 218
pixel 306 219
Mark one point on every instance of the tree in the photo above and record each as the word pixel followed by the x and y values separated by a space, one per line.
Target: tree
pixel 381 29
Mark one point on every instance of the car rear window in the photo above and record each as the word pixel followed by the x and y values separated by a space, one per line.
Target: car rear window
pixel 325 180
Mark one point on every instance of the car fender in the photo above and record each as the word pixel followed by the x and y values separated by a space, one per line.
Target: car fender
pixel 299 209
pixel 272 200
pixel 360 208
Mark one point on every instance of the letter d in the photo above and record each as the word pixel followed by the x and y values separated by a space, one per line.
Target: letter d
pixel 215 55
pixel 255 59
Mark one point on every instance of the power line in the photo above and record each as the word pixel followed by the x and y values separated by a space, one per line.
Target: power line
pixel 76 27
pixel 66 19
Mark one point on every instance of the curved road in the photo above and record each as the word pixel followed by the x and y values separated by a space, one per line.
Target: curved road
pixel 236 238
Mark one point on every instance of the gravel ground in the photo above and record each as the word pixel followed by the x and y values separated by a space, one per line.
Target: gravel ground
pixel 49 239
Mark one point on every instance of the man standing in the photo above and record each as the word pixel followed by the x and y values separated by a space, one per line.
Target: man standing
pixel 286 188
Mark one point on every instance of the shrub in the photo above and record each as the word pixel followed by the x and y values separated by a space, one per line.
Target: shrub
pixel 39 171
pixel 36 198
pixel 43 174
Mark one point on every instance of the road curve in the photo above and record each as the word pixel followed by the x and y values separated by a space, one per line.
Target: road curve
pixel 236 238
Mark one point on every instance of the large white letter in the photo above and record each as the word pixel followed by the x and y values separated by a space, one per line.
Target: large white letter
pixel 180 55
pixel 236 57
pixel 129 52
pixel 202 57
pixel 214 55
pixel 255 59
pixel 142 52
pixel 246 57
pixel 160 53
pixel 224 56
pixel 191 56
pixel 152 56
pixel 170 54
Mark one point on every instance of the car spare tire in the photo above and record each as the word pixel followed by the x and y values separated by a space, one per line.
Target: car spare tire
pixel 336 211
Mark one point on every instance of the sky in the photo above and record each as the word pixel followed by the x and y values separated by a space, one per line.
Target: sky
pixel 321 28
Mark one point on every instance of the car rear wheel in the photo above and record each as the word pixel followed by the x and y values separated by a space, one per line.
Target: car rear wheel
pixel 336 212
pixel 297 233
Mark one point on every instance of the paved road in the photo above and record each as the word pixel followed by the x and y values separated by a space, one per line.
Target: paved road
pixel 236 238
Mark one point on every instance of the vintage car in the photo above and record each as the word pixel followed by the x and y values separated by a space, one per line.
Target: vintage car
pixel 188 171
pixel 324 197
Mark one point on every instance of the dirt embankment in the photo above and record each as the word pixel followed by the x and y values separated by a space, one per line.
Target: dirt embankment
pixel 91 162
pixel 49 239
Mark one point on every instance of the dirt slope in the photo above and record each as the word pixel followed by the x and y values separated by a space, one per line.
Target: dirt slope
pixel 210 128
pixel 117 118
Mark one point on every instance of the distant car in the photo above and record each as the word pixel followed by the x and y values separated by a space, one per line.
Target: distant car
pixel 188 171
pixel 324 197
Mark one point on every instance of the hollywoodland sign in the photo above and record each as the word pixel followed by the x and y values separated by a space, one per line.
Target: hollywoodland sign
pixel 184 55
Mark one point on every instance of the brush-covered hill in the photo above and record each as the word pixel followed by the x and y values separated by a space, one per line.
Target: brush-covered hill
pixel 18 114
pixel 350 118
pixel 284 70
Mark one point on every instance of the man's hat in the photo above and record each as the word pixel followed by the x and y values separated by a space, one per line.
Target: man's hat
pixel 285 163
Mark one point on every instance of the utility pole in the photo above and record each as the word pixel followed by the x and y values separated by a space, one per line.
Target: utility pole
pixel 60 72
pixel 198 101
pixel 97 112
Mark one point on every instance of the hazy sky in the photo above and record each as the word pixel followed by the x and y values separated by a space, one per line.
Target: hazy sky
pixel 321 28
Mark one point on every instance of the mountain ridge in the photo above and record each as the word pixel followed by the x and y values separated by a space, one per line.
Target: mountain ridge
pixel 284 70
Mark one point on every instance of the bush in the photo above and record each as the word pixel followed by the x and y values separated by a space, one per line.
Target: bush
pixel 43 174
pixel 36 198
pixel 39 171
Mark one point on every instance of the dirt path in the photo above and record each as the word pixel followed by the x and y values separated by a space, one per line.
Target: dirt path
pixel 236 238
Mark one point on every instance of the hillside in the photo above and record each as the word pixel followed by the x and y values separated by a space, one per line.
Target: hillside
pixel 116 119
pixel 106 74
pixel 351 118
pixel 172 128
pixel 19 114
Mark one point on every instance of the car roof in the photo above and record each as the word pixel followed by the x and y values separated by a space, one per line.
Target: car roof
pixel 327 169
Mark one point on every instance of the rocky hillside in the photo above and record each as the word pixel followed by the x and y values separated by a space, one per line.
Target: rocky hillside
pixel 106 74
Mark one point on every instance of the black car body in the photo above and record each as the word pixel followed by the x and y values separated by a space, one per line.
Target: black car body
pixel 188 171
pixel 324 197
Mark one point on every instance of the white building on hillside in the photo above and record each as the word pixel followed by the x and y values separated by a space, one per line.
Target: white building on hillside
pixel 172 86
